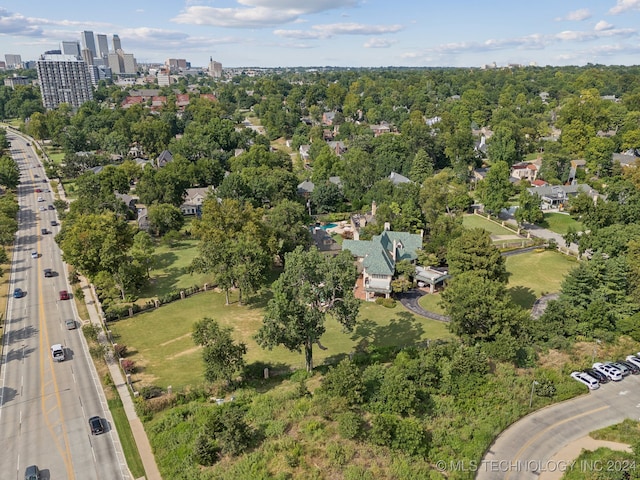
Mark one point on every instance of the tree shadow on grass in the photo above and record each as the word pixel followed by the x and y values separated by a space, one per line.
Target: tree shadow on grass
pixel 254 375
pixel 403 329
pixel 259 299
pixel 165 260
pixel 523 296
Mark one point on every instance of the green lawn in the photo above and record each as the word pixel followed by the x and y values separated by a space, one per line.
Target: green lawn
pixel 536 273
pixel 476 221
pixel 430 303
pixel 560 223
pixel 172 270
pixel 160 341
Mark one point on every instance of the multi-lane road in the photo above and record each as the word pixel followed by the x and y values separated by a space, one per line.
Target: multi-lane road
pixel 45 405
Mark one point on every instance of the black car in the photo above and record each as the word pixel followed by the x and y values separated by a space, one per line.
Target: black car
pixel 48 272
pixel 32 473
pixel 50 207
pixel 601 377
pixel 631 366
pixel 95 424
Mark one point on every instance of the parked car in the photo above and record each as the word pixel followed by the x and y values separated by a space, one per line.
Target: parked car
pixel 611 372
pixel 624 370
pixel 48 272
pixel 633 368
pixel 601 377
pixel 64 295
pixel 95 424
pixel 586 379
pixel 18 293
pixel 633 359
pixel 32 472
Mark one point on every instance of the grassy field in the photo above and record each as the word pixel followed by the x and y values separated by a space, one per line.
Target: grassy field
pixel 531 275
pixel 536 273
pixel 172 270
pixel 161 346
pixel 560 223
pixel 476 221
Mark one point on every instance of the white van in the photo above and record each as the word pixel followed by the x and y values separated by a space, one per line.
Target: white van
pixel 57 352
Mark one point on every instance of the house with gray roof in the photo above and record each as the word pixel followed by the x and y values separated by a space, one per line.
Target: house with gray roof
pixel 193 200
pixel 377 258
pixel 557 196
pixel 398 179
pixel 164 158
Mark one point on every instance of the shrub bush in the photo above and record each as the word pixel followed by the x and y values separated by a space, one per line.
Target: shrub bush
pixel 350 425
pixel 128 366
pixel 150 391
pixel 78 293
pixel 120 349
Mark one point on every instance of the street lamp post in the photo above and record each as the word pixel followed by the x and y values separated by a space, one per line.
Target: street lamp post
pixel 533 384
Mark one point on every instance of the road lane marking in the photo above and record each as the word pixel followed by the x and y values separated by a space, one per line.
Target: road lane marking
pixel 542 432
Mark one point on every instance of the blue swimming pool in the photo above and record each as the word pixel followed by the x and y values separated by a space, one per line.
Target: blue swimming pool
pixel 328 226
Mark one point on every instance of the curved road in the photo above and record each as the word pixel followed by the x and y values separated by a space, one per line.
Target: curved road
pixel 525 449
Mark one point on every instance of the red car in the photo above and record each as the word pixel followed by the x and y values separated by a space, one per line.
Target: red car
pixel 38 190
pixel 64 295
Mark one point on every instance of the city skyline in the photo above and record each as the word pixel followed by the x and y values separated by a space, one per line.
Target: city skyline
pixel 344 33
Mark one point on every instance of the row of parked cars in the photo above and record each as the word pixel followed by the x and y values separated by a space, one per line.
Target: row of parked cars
pixel 603 372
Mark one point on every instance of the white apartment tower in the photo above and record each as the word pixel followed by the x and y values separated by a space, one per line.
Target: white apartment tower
pixel 63 79
pixel 70 48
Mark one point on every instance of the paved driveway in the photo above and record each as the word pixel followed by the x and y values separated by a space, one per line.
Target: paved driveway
pixel 524 450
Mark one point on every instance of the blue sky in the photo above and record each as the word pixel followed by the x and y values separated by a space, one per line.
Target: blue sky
pixel 367 33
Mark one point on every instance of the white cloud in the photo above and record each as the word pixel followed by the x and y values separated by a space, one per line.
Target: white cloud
pixel 16 24
pixel 378 43
pixel 576 15
pixel 602 25
pixel 624 5
pixel 330 30
pixel 257 13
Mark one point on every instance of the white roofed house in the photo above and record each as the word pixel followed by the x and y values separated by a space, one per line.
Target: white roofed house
pixel 193 200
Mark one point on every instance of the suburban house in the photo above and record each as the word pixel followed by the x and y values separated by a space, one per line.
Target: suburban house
pixel 193 200
pixel 328 117
pixel 525 171
pixel 306 188
pixel 182 100
pixel 377 259
pixel 626 159
pixel 338 147
pixel 380 129
pixel 164 158
pixel 556 196
pixel 361 220
pixel 431 276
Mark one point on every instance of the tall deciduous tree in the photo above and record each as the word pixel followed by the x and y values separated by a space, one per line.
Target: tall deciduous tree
pixel 165 217
pixel 473 251
pixel 496 188
pixel 9 172
pixel 223 358
pixel 312 287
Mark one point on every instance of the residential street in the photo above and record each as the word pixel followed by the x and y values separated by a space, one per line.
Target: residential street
pixel 525 450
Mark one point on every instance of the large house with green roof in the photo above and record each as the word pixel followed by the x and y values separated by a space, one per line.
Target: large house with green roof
pixel 377 258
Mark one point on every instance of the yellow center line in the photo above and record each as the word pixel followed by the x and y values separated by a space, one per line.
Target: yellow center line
pixel 63 449
pixel 542 432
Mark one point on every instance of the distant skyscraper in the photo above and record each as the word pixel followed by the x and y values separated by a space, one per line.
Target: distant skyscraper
pixel 63 79
pixel 87 56
pixel 89 42
pixel 70 48
pixel 116 43
pixel 215 68
pixel 13 61
pixel 103 46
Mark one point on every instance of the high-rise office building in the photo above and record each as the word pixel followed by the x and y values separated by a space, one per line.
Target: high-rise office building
pixel 116 43
pixel 63 79
pixel 89 42
pixel 13 61
pixel 87 56
pixel 215 68
pixel 70 48
pixel 103 45
pixel 130 66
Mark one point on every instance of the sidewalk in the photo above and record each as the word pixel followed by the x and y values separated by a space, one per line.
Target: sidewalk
pixel 139 434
